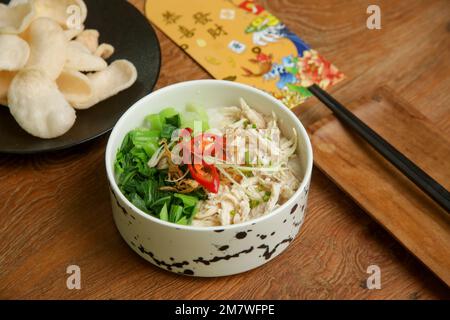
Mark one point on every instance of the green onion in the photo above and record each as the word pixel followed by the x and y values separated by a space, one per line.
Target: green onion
pixel 247 158
pixel 248 174
pixel 164 215
pixel 254 203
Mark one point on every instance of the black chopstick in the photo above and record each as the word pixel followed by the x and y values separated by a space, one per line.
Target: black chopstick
pixel 419 177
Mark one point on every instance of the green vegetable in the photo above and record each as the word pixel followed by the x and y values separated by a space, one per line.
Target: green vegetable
pixel 174 121
pixel 190 107
pixel 167 131
pixel 248 174
pixel 189 119
pixel 164 200
pixel 194 113
pixel 188 201
pixel 195 210
pixel 175 213
pixel 138 202
pixel 199 194
pixel 266 196
pixel 164 215
pixel 247 158
pixel 154 121
pixel 183 221
pixel 150 148
pixel 141 184
pixel 167 113
pixel 145 139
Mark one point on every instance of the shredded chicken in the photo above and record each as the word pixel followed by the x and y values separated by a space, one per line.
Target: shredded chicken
pixel 247 194
pixel 253 116
pixel 274 197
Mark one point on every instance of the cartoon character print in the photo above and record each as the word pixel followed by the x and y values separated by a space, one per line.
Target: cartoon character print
pixel 268 35
pixel 251 7
pixel 263 61
pixel 284 72
pixel 267 29
pixel 293 73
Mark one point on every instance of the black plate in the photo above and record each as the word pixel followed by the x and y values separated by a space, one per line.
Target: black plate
pixel 123 26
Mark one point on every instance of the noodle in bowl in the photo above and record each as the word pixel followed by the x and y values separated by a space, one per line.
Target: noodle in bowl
pixel 221 240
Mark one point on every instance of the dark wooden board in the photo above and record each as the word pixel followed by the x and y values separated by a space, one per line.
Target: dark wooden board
pixel 378 187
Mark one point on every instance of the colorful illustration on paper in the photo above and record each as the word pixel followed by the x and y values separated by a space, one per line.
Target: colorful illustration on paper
pixel 240 41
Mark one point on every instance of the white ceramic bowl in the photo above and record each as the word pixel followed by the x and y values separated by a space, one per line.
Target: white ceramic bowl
pixel 211 251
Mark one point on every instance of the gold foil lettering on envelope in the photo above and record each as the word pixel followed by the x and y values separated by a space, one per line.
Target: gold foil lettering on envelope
pixel 240 41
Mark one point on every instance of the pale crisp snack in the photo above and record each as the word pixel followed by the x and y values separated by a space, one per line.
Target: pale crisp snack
pixel 105 51
pixel 89 38
pixel 6 78
pixel 38 106
pixel 48 46
pixel 73 33
pixel 14 52
pixel 14 3
pixel 120 75
pixel 15 19
pixel 57 10
pixel 75 86
pixel 79 58
pixel 44 55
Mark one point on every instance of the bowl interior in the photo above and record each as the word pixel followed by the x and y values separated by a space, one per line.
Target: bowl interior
pixel 211 94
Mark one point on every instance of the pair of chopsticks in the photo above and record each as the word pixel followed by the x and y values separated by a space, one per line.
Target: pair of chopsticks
pixel 419 177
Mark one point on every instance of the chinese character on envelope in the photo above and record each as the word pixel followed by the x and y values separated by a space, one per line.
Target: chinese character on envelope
pixel 240 41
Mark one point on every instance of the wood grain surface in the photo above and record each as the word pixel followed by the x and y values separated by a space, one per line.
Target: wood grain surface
pixel 55 211
pixel 377 186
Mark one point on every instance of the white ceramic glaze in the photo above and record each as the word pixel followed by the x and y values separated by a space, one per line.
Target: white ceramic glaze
pixel 211 251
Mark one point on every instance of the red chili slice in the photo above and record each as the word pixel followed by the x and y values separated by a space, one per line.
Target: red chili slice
pixel 207 175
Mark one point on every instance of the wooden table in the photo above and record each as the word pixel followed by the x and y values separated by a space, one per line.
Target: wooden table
pixel 55 208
